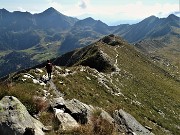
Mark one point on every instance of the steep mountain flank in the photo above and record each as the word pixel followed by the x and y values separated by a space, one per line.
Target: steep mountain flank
pixel 92 55
pixel 52 19
pixel 151 27
pixel 23 21
pixel 83 33
pixel 162 46
pixel 23 30
pixel 164 51
pixel 86 31
pixel 15 61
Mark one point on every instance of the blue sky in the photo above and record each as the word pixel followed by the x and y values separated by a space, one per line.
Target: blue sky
pixel 108 11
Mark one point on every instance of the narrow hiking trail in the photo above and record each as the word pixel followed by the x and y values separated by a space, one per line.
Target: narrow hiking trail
pixel 53 87
pixel 116 55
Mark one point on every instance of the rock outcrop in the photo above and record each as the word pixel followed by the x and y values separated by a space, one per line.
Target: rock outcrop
pixel 15 119
pixel 91 56
pixel 126 122
pixel 66 121
pixel 70 114
pixel 78 110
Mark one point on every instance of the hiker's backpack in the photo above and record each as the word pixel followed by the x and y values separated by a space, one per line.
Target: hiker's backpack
pixel 49 66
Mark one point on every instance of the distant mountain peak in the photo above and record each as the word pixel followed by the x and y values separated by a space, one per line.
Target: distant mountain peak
pixel 50 10
pixel 4 10
pixel 89 19
pixel 152 17
pixel 172 16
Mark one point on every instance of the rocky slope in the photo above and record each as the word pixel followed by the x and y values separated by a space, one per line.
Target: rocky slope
pixel 109 74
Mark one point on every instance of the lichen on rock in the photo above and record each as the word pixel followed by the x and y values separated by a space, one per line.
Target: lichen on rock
pixel 14 118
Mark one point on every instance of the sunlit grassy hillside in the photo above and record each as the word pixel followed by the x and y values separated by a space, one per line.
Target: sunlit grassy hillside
pixel 123 79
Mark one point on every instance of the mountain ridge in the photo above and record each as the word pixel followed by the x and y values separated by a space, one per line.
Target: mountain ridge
pixel 128 80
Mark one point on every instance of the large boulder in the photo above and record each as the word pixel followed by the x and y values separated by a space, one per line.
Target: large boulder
pixel 66 121
pixel 80 112
pixel 69 113
pixel 106 116
pixel 126 122
pixel 15 119
pixel 55 102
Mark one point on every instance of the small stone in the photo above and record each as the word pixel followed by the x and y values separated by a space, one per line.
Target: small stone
pixel 47 128
pixel 149 128
pixel 37 70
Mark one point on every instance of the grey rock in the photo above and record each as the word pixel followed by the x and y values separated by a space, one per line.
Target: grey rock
pixel 107 117
pixel 47 128
pixel 57 102
pixel 71 112
pixel 79 111
pixel 14 118
pixel 66 121
pixel 129 124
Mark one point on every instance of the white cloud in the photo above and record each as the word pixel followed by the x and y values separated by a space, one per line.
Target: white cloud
pixel 134 11
pixel 77 9
pixel 137 11
pixel 82 4
pixel 131 11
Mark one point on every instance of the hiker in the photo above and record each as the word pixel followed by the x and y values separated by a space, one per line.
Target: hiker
pixel 49 68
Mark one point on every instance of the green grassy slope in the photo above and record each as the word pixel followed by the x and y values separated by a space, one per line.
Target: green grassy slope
pixel 164 51
pixel 149 92
pixel 132 83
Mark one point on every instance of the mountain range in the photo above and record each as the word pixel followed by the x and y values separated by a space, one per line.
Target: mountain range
pixel 50 34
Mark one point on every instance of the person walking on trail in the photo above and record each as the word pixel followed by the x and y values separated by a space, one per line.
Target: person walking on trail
pixel 49 68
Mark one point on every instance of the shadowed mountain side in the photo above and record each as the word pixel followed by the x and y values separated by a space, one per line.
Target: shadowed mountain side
pixel 49 19
pixel 16 61
pixel 52 19
pixel 91 55
pixel 17 26
pixel 83 33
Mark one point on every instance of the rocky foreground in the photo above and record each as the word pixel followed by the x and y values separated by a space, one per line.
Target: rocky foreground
pixel 15 119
